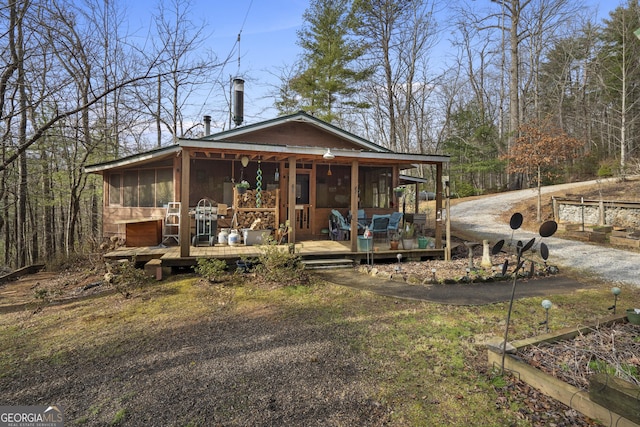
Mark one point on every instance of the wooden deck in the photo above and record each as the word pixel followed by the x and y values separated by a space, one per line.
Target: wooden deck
pixel 312 249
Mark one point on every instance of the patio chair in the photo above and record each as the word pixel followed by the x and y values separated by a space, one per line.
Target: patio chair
pixel 362 219
pixel 334 231
pixel 379 224
pixel 394 223
pixel 339 224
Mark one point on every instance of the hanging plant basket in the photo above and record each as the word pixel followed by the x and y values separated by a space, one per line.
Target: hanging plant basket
pixel 242 187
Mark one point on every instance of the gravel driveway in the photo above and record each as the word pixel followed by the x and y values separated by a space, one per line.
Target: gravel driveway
pixel 481 218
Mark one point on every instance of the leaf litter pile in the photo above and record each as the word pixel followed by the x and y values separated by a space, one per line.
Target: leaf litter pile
pixel 613 350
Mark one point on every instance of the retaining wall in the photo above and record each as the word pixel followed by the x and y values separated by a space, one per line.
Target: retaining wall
pixel 594 212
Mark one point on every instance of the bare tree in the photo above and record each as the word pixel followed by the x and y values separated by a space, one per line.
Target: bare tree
pixel 185 68
pixel 399 35
pixel 48 89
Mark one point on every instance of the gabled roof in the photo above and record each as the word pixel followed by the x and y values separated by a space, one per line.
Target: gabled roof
pixel 303 117
pixel 220 142
pixel 147 156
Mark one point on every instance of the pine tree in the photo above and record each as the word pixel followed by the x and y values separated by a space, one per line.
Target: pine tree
pixel 328 76
pixel 620 72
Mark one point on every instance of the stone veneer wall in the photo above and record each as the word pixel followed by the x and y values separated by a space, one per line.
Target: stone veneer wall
pixel 616 216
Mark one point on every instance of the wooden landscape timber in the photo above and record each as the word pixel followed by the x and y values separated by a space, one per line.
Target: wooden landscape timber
pixel 569 395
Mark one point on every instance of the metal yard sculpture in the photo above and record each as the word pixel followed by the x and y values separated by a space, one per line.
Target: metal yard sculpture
pixel 547 229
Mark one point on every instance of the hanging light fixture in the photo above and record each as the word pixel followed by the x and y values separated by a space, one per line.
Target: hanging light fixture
pixel 276 176
pixel 328 155
pixel 244 161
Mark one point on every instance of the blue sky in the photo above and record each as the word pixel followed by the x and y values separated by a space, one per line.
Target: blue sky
pixel 268 41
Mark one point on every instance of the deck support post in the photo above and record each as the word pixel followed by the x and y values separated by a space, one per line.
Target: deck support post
pixel 291 200
pixel 185 228
pixel 438 210
pixel 354 205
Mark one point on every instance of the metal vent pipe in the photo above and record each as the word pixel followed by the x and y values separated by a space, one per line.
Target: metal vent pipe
pixel 238 101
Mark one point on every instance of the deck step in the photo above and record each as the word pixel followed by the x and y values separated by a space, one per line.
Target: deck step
pixel 316 264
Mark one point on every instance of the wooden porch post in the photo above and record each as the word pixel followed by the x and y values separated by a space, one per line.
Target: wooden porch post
pixel 354 205
pixel 291 199
pixel 438 229
pixel 185 222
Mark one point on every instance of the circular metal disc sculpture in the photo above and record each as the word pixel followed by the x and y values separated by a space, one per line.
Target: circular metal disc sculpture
pixel 547 229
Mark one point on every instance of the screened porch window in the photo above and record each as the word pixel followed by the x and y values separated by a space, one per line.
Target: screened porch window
pixel 141 188
pixel 333 186
pixel 375 187
pixel 115 181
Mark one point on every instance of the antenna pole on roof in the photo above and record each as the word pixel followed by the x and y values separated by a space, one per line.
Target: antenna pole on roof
pixel 239 50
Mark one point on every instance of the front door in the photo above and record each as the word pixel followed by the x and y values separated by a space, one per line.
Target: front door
pixel 303 205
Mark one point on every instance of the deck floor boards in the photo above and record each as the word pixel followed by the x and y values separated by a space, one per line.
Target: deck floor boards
pixel 170 255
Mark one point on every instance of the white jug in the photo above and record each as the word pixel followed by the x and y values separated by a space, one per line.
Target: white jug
pixel 234 238
pixel 223 236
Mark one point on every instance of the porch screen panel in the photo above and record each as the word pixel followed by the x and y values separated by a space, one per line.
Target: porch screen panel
pixel 115 181
pixel 164 187
pixel 375 187
pixel 130 185
pixel 147 179
pixel 333 186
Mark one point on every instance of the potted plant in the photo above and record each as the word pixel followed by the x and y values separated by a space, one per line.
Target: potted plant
pixel 408 233
pixel 242 186
pixel 394 240
pixel 399 191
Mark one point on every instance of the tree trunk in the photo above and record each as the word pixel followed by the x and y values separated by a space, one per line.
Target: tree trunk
pixel 21 244
pixel 539 207
pixel 514 77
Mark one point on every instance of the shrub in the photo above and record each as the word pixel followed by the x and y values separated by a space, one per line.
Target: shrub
pixel 42 295
pixel 464 189
pixel 211 269
pixel 606 169
pixel 280 264
pixel 126 277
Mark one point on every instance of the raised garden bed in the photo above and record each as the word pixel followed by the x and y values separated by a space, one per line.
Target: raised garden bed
pixel 587 236
pixel 629 242
pixel 547 376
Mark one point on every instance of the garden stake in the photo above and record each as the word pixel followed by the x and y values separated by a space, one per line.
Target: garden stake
pixel 615 291
pixel 546 304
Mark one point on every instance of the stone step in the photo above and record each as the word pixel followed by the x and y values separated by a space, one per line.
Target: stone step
pixel 315 264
